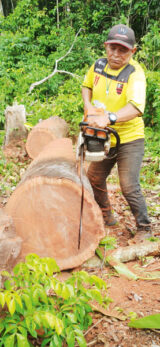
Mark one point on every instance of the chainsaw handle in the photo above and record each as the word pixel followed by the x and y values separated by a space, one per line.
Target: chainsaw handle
pixel 81 124
pixel 114 132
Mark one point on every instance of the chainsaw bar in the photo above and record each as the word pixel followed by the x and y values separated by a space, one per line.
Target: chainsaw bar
pixel 82 195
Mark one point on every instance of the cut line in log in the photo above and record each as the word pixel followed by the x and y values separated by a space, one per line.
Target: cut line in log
pixel 45 208
pixel 44 132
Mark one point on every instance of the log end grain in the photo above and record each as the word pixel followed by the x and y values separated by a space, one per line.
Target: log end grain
pixel 44 132
pixel 46 214
pixel 37 140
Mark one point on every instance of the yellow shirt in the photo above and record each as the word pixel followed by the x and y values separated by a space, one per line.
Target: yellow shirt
pixel 112 95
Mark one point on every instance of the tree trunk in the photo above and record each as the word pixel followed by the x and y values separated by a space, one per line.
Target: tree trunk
pixel 45 132
pixel 1 8
pixel 46 206
pixel 57 4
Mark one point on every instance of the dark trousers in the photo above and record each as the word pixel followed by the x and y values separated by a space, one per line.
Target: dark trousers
pixel 129 160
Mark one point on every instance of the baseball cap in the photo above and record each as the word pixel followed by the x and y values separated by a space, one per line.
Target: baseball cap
pixel 123 35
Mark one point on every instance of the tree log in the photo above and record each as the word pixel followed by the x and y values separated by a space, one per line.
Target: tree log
pixel 45 208
pixel 45 132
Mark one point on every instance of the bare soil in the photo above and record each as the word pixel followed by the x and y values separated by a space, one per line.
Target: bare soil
pixel 141 297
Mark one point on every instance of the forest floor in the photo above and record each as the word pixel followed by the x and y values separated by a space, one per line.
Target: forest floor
pixel 130 297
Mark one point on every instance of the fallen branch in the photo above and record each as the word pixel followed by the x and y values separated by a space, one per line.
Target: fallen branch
pixel 117 257
pixel 33 85
pixel 125 254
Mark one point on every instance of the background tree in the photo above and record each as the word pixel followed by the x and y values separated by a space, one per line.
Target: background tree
pixel 1 8
pixel 8 6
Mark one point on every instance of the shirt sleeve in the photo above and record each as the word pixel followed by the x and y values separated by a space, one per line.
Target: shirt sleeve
pixel 136 90
pixel 88 79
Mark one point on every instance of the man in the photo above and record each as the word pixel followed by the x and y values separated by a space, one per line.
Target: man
pixel 117 84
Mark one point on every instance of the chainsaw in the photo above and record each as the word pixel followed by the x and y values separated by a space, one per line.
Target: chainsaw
pixel 93 145
pixel 95 142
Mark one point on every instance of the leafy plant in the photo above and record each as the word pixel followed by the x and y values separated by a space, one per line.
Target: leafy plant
pixel 37 304
pixel 152 110
pixel 69 105
pixel 150 47
pixel 31 41
pixel 148 322
pixel 150 173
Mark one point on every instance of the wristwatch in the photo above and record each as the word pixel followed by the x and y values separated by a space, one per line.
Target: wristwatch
pixel 112 118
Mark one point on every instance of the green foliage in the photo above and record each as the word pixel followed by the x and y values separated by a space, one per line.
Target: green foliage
pixel 36 304
pixel 149 52
pixel 32 40
pixel 150 173
pixel 68 104
pixel 148 322
pixel 29 47
pixel 109 242
pixel 105 244
pixel 152 110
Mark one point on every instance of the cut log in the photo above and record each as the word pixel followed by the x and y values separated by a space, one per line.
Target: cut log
pixel 45 132
pixel 45 208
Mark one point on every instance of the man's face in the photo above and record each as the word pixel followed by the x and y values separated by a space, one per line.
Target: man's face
pixel 118 55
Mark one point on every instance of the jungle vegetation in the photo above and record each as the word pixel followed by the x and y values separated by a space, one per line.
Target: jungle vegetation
pixel 34 34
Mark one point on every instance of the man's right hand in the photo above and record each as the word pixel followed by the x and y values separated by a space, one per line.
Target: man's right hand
pixel 100 121
pixel 89 109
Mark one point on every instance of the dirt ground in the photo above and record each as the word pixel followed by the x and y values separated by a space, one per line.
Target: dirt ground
pixel 129 296
pixel 141 297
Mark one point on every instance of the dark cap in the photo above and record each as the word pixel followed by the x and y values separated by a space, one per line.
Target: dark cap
pixel 122 35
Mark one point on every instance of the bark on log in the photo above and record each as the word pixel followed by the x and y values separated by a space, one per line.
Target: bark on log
pixel 45 132
pixel 10 243
pixel 46 204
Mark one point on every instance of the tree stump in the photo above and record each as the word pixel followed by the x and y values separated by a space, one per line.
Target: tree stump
pixel 46 204
pixel 45 132
pixel 15 118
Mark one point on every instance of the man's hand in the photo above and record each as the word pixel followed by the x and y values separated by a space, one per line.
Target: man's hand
pixel 90 109
pixel 100 121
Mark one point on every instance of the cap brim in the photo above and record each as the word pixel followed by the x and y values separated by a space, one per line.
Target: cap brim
pixel 119 42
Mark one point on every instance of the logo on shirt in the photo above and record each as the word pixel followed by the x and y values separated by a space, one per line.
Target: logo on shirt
pixel 119 88
pixel 96 80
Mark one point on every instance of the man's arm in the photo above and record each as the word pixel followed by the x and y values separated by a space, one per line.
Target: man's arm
pixel 125 114
pixel 87 97
pixel 128 112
